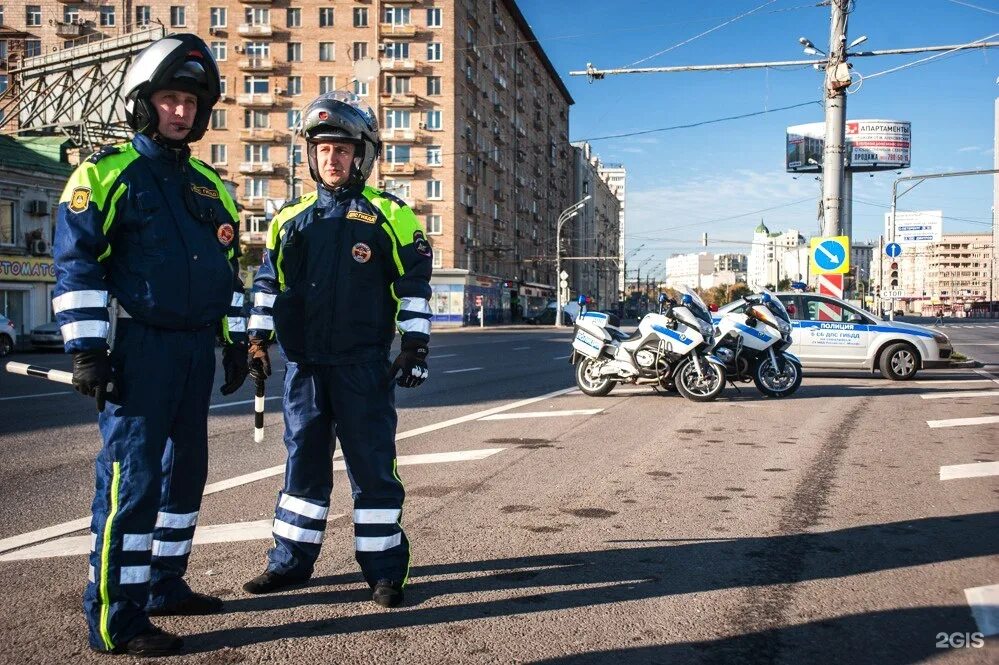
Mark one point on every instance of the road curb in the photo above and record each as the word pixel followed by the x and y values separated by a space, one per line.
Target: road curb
pixel 964 364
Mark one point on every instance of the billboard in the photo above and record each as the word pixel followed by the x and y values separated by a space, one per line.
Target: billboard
pixel 915 227
pixel 871 145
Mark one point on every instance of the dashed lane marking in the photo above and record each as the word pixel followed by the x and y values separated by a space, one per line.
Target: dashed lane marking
pixel 984 602
pixel 925 382
pixel 962 393
pixel 442 355
pixel 561 357
pixel 963 422
pixel 520 348
pixel 61 392
pixel 543 414
pixel 459 371
pixel 975 470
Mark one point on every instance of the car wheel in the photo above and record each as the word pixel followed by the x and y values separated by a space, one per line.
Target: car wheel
pixel 899 362
pixel 6 345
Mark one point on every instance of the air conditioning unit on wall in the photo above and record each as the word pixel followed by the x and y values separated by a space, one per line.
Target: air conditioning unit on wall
pixel 38 247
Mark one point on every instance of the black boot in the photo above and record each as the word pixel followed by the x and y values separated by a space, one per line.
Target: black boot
pixel 387 593
pixel 193 605
pixel 269 582
pixel 150 644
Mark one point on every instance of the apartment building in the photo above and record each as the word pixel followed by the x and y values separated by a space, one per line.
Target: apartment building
pixel 474 117
pixel 593 232
pixel 616 176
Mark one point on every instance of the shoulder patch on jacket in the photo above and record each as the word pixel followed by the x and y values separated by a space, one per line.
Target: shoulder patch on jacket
pixel 79 199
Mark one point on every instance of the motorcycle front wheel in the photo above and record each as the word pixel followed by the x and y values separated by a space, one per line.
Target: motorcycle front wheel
pixel 698 388
pixel 589 381
pixel 775 383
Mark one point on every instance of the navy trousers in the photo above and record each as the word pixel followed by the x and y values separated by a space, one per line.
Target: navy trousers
pixel 151 473
pixel 355 404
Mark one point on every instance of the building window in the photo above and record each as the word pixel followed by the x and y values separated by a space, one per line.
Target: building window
pixel 256 188
pixel 219 51
pixel 218 17
pixel 3 82
pixel 396 50
pixel 257 224
pixel 327 51
pixel 223 86
pixel 257 50
pixel 438 260
pixel 70 14
pixel 296 154
pixel 7 233
pixel 434 52
pixel 360 88
pixel 33 15
pixel 294 119
pixel 434 224
pixel 218 119
pixel 433 85
pixel 257 16
pixel 360 17
pixel 360 50
pixel 143 15
pixel 434 190
pixel 107 17
pixel 396 15
pixel 256 85
pixel 396 154
pixel 256 153
pixel 397 85
pixel 254 119
pixel 327 84
pixel 325 17
pixel 178 16
pixel 294 17
pixel 397 119
pixel 294 52
pixel 294 85
pixel 220 153
pixel 434 17
pixel 32 48
pixel 399 188
pixel 434 120
pixel 434 155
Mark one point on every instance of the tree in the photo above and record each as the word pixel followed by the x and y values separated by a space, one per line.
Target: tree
pixel 739 290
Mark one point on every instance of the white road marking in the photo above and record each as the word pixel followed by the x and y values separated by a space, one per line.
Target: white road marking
pixel 976 470
pixel 57 530
pixel 987 375
pixel 562 357
pixel 239 403
pixel 977 343
pixel 932 381
pixel 443 355
pixel 543 414
pixel 633 391
pixel 984 602
pixel 459 371
pixel 520 348
pixel 962 393
pixel 61 392
pixel 961 422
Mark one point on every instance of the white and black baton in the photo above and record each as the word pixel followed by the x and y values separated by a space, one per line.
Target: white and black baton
pixel 57 375
pixel 258 412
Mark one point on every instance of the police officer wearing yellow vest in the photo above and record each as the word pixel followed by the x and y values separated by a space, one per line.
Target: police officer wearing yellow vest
pixel 345 266
pixel 152 232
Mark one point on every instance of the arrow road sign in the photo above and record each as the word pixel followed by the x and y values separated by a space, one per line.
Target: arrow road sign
pixel 893 249
pixel 831 255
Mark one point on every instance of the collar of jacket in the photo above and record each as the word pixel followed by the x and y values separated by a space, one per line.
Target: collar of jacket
pixel 330 198
pixel 148 147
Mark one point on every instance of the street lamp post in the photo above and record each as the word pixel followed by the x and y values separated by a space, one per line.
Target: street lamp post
pixel 564 217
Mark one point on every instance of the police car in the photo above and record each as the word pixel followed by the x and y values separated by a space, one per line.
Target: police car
pixel 830 333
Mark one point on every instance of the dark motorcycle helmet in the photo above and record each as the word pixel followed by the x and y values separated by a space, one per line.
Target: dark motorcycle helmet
pixel 179 62
pixel 342 116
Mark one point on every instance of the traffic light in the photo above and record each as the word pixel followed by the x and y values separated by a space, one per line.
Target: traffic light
pixel 893 275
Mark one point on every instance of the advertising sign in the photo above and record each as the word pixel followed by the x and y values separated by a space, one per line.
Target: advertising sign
pixel 27 269
pixel 871 145
pixel 915 227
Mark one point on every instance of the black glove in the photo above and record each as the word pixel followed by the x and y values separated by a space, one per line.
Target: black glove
pixel 234 363
pixel 92 374
pixel 260 362
pixel 412 364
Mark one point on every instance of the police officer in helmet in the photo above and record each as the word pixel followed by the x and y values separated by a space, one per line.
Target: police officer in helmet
pixel 345 267
pixel 147 237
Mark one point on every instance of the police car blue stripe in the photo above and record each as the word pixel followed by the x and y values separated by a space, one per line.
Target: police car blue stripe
pixel 860 326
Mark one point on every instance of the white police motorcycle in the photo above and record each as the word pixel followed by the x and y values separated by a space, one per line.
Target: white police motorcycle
pixel 670 348
pixel 753 340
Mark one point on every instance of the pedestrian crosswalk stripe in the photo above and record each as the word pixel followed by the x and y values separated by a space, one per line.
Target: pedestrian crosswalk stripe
pixel 984 602
pixel 957 394
pixel 543 414
pixel 975 470
pixel 962 422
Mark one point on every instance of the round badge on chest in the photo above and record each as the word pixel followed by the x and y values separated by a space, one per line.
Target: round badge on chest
pixel 225 234
pixel 361 252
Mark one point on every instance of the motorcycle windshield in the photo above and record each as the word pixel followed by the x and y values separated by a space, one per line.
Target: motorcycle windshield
pixel 777 307
pixel 697 306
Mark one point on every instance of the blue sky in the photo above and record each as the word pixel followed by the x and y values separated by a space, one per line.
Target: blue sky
pixel 693 176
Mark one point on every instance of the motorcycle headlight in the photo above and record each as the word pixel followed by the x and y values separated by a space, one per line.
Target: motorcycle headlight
pixel 784 327
pixel 706 328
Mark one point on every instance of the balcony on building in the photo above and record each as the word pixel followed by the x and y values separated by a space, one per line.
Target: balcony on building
pixel 253 237
pixel 256 99
pixel 256 64
pixel 254 30
pixel 71 2
pixel 252 168
pixel 397 30
pixel 69 29
pixel 398 168
pixel 257 2
pixel 254 204
pixel 402 134
pixel 392 65
pixel 398 100
pixel 260 135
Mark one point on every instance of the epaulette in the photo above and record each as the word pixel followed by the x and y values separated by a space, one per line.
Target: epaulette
pixel 205 164
pixel 393 198
pixel 106 151
pixel 294 201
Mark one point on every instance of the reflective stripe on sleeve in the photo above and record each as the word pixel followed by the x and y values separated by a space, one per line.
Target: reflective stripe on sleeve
pixel 415 325
pixel 260 322
pixel 237 299
pixel 236 323
pixel 136 542
pixel 134 574
pixel 93 541
pixel 82 329
pixel 78 299
pixel 303 508
pixel 376 515
pixel 176 520
pixel 419 305
pixel 377 543
pixel 92 575
pixel 171 548
pixel 264 299
pixel 297 533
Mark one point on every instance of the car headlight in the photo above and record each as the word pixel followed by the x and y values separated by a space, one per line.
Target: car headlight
pixel 941 339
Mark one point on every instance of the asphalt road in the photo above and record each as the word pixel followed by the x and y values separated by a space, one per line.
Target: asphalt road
pixel 559 528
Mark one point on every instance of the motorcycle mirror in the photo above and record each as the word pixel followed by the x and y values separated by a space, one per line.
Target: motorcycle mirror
pixel 662 297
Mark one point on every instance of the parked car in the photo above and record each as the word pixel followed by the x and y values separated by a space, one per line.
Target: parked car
pixel 8 336
pixel 46 336
pixel 546 317
pixel 830 333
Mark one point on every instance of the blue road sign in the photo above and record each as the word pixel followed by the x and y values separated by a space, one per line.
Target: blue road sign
pixel 830 254
pixel 893 249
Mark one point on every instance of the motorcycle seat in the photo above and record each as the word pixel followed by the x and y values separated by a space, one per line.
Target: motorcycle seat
pixel 622 336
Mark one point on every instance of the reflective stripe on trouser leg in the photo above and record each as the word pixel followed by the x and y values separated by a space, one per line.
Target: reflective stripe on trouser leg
pixel 365 424
pixel 302 507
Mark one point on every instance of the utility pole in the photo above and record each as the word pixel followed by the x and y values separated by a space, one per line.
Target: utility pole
pixel 834 149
